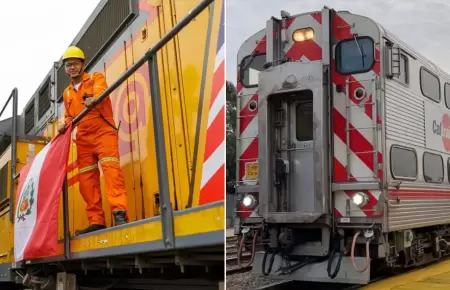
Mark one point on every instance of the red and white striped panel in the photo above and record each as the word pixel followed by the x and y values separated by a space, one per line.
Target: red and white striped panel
pixel 248 119
pixel 308 50
pixel 361 140
pixel 247 151
pixel 361 164
pixel 212 187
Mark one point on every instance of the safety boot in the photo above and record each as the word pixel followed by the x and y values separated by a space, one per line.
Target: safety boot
pixel 89 229
pixel 120 217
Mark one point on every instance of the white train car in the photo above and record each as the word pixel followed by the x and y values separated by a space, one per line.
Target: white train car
pixel 343 149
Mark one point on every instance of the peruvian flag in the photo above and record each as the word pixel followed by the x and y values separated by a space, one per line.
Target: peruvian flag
pixel 37 201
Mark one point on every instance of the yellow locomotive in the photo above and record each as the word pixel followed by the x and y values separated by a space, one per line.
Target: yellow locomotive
pixel 164 63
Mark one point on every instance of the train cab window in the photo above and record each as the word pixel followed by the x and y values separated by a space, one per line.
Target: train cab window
pixel 355 55
pixel 447 95
pixel 433 168
pixel 429 85
pixel 403 163
pixel 250 68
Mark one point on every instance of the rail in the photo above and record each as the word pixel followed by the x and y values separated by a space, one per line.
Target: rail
pixel 158 125
pixel 14 97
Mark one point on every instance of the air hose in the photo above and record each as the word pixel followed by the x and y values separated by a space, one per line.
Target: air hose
pixel 272 259
pixel 336 249
pixel 366 266
pixel 241 246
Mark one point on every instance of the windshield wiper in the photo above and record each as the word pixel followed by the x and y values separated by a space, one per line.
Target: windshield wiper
pixel 361 51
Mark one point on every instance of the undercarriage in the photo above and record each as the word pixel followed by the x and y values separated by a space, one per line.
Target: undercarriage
pixel 350 255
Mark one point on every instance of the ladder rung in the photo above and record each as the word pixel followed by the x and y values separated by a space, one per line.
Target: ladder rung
pixel 362 128
pixel 248 159
pixel 247 116
pixel 359 81
pixel 362 152
pixel 359 105
pixel 244 138
pixel 246 95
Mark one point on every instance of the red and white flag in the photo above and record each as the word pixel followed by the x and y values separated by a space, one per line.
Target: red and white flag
pixel 37 201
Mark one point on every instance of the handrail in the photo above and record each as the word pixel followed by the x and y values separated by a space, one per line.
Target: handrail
pixel 158 124
pixel 14 96
pixel 152 51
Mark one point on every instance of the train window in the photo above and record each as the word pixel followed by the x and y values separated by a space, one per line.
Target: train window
pixel 250 68
pixel 448 169
pixel 404 69
pixel 433 168
pixel 355 55
pixel 447 95
pixel 403 163
pixel 304 118
pixel 430 86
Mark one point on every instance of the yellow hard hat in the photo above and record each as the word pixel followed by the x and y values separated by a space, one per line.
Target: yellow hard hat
pixel 73 52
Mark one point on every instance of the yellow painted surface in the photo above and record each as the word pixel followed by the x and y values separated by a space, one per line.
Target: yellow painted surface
pixel 180 71
pixel 435 276
pixel 180 65
pixel 212 219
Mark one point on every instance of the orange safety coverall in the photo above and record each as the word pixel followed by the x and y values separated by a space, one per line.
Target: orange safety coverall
pixel 97 142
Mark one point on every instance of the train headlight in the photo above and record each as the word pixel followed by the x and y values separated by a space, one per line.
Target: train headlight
pixel 303 34
pixel 249 200
pixel 360 199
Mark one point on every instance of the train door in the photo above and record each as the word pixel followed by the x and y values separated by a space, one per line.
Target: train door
pixel 293 143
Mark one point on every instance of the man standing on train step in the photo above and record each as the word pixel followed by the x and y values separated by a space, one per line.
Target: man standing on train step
pixel 96 140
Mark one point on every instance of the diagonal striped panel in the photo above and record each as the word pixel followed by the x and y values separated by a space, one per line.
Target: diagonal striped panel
pixel 248 120
pixel 361 140
pixel 212 187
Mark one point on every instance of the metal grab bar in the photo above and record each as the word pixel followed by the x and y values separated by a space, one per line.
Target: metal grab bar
pixel 14 96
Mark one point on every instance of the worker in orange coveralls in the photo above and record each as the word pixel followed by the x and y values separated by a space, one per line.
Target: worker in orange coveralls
pixel 96 140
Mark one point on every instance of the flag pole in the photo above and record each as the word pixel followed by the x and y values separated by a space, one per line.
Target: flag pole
pixel 65 191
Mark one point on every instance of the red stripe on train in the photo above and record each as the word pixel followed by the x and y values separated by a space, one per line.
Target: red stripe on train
pixel 214 189
pixel 215 134
pixel 218 82
pixel 360 146
pixel 419 193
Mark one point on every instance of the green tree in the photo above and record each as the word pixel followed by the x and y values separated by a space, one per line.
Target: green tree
pixel 231 131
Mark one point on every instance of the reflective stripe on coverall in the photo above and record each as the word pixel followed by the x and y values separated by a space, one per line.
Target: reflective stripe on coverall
pixel 97 142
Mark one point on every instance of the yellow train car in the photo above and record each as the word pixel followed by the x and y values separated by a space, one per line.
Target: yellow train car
pixel 164 63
